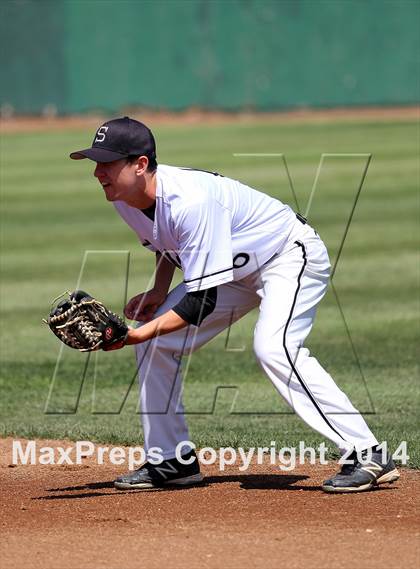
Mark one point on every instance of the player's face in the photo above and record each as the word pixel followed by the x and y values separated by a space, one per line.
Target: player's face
pixel 118 179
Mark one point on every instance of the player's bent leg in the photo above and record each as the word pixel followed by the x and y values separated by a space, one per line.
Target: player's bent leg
pixel 302 381
pixel 291 290
pixel 160 366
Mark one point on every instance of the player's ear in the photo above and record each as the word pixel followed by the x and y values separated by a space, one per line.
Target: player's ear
pixel 141 165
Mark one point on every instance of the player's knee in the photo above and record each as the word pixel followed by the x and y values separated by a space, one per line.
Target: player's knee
pixel 260 348
pixel 266 350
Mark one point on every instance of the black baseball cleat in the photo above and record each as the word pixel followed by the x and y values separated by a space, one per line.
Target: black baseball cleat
pixel 361 476
pixel 170 472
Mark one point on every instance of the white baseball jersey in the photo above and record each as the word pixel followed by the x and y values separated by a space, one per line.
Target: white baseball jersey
pixel 215 228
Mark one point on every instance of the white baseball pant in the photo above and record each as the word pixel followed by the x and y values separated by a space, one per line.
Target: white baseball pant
pixel 287 290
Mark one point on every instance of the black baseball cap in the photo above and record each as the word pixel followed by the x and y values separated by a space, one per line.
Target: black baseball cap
pixel 118 139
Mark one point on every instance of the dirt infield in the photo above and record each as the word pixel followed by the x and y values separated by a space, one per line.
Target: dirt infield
pixel 71 516
pixel 196 116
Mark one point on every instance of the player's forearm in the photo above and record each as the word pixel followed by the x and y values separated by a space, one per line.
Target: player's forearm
pixel 164 274
pixel 164 324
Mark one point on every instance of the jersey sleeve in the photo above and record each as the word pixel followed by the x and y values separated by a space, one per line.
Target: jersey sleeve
pixel 205 245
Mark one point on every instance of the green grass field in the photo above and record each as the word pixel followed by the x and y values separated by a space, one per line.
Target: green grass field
pixel 53 211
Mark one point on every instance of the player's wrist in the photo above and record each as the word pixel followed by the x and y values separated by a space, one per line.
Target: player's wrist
pixel 161 291
pixel 134 336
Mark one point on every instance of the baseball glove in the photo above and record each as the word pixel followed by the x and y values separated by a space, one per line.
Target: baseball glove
pixel 83 323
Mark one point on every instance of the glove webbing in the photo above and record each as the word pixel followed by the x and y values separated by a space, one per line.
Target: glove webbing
pixel 81 324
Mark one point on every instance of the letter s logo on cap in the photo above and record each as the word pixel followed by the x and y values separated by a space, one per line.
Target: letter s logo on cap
pixel 100 135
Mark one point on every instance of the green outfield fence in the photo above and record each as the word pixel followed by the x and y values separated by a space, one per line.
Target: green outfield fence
pixel 72 56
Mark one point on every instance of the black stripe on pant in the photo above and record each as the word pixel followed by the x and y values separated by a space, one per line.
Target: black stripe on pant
pixel 294 369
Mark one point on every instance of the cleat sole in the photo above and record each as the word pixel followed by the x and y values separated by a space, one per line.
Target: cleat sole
pixel 347 489
pixel 389 477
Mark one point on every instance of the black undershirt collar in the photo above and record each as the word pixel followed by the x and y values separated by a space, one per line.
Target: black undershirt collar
pixel 150 211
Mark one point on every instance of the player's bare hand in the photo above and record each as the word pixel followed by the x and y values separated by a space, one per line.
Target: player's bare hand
pixel 143 306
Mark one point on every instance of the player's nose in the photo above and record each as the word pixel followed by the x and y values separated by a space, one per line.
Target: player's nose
pixel 98 170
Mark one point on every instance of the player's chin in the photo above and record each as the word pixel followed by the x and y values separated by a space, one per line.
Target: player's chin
pixel 109 194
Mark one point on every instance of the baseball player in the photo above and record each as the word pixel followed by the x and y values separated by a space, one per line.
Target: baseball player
pixel 238 249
